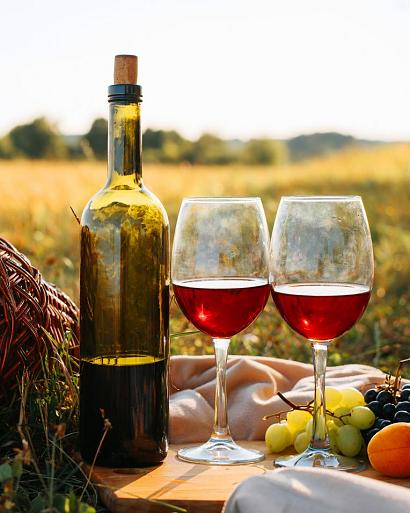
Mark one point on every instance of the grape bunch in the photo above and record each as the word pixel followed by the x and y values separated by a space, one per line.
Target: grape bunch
pixel 352 419
pixel 389 404
pixel 347 416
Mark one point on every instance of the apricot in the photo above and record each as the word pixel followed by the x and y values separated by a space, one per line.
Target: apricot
pixel 389 450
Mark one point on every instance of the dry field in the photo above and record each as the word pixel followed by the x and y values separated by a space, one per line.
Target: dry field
pixel 35 216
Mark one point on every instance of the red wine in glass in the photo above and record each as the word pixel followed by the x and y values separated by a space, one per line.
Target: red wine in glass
pixel 222 307
pixel 321 311
pixel 220 276
pixel 322 269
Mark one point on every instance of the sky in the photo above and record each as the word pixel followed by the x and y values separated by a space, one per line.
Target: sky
pixel 240 69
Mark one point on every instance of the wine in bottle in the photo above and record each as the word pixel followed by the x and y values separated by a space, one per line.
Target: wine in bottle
pixel 124 298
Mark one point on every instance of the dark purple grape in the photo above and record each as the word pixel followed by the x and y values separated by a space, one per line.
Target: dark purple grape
pixel 376 408
pixel 388 411
pixel 405 394
pixel 370 395
pixel 402 416
pixel 381 423
pixel 369 435
pixel 384 397
pixel 403 406
pixel 406 386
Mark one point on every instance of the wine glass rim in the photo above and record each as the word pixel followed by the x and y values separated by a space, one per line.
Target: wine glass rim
pixel 220 199
pixel 322 198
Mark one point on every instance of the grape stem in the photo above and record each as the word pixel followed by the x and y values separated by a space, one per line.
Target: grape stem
pixel 398 375
pixel 304 407
pixel 391 384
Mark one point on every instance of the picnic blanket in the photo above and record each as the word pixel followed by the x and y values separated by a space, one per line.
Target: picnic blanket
pixel 252 385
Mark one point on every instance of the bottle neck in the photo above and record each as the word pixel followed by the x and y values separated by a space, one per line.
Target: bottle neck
pixel 124 145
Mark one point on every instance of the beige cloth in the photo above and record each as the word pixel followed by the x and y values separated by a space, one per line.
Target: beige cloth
pixel 316 491
pixel 252 384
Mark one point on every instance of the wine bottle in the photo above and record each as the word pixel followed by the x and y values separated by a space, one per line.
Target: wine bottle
pixel 124 298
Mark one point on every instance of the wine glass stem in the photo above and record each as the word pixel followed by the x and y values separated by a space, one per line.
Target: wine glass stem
pixel 320 440
pixel 221 428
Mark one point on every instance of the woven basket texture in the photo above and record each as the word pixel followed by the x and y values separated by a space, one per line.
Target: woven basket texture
pixel 30 308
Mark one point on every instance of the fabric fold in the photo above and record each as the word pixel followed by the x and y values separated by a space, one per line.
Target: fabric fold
pixel 252 386
pixel 316 491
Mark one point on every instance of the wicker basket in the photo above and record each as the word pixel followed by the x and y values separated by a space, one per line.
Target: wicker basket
pixel 29 309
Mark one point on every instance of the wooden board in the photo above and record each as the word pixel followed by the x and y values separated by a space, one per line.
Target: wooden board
pixel 197 488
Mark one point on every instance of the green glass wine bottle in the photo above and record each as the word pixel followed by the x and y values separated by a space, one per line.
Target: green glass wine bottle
pixel 124 299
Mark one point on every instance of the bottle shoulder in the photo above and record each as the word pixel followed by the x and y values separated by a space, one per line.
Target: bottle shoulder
pixel 124 205
pixel 156 201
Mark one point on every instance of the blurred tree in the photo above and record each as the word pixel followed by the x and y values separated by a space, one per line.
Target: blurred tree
pixel 78 148
pixel 37 140
pixel 165 146
pixel 7 150
pixel 264 152
pixel 97 138
pixel 305 146
pixel 210 149
pixel 153 139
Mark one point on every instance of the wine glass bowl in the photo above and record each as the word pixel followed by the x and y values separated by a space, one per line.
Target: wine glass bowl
pixel 321 264
pixel 220 276
pixel 223 307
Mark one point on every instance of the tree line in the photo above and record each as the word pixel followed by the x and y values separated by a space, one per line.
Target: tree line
pixel 40 139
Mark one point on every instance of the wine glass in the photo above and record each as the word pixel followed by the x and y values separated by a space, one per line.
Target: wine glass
pixel 220 276
pixel 321 263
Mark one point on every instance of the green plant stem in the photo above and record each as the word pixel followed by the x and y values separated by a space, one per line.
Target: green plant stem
pixel 25 436
pixel 52 474
pixel 76 467
pixel 106 429
pixel 184 334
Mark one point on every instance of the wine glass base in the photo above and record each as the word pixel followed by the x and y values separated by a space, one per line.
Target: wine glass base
pixel 321 459
pixel 220 452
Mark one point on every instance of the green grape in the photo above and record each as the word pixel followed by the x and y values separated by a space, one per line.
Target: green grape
pixel 341 411
pixel 301 442
pixel 331 426
pixel 297 419
pixel 333 440
pixel 333 397
pixel 349 440
pixel 351 397
pixel 293 431
pixel 278 437
pixel 362 417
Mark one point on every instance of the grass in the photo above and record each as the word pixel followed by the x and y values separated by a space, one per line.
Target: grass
pixel 38 473
pixel 35 216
